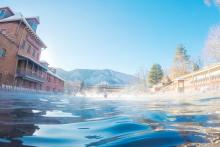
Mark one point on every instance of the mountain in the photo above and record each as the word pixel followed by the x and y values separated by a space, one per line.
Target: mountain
pixel 95 77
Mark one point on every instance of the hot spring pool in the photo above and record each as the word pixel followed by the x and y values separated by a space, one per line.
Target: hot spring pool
pixel 73 122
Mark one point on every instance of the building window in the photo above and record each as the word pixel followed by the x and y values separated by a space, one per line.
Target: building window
pixel 33 54
pixel 2 14
pixel 1 78
pixel 2 52
pixel 29 49
pixel 37 56
pixel 23 44
pixel 48 78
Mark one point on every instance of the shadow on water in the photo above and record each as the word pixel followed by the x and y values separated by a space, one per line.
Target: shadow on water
pixel 43 120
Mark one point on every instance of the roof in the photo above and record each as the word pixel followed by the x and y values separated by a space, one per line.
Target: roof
pixel 55 75
pixel 20 17
pixel 9 9
pixel 37 19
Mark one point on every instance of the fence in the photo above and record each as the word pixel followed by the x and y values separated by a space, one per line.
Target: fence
pixel 8 84
pixel 7 79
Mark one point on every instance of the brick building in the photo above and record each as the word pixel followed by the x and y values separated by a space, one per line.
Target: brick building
pixel 20 51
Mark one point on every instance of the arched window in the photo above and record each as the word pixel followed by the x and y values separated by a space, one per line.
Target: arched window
pixel 2 52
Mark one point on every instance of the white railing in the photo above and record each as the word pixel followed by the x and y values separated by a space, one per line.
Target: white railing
pixel 11 89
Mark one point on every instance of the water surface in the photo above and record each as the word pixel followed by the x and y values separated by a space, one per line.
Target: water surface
pixel 53 121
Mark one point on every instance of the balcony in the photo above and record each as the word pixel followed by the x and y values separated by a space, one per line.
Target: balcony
pixel 30 76
pixel 31 61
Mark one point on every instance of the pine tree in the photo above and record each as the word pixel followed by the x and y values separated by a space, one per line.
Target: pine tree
pixel 181 54
pixel 155 74
pixel 181 64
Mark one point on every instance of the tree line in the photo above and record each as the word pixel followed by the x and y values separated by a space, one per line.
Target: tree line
pixel 183 63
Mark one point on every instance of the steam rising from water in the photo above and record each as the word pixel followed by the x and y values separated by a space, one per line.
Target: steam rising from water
pixel 78 121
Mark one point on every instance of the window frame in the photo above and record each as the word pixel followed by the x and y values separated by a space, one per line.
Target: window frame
pixel 29 48
pixel 2 52
pixel 3 13
pixel 33 52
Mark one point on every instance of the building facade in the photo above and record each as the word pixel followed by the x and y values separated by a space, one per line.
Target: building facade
pixel 206 79
pixel 20 51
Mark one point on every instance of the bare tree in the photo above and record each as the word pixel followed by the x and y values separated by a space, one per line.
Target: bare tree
pixel 210 2
pixel 212 45
pixel 141 75
pixel 197 63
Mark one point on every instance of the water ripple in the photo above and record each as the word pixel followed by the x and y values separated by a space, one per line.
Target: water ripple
pixel 28 120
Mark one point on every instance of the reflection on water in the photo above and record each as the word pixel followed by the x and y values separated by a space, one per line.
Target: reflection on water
pixel 71 121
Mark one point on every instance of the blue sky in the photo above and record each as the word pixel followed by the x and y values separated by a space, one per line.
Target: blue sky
pixel 122 35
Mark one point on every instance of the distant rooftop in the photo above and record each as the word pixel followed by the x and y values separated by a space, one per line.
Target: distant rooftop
pixel 54 74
